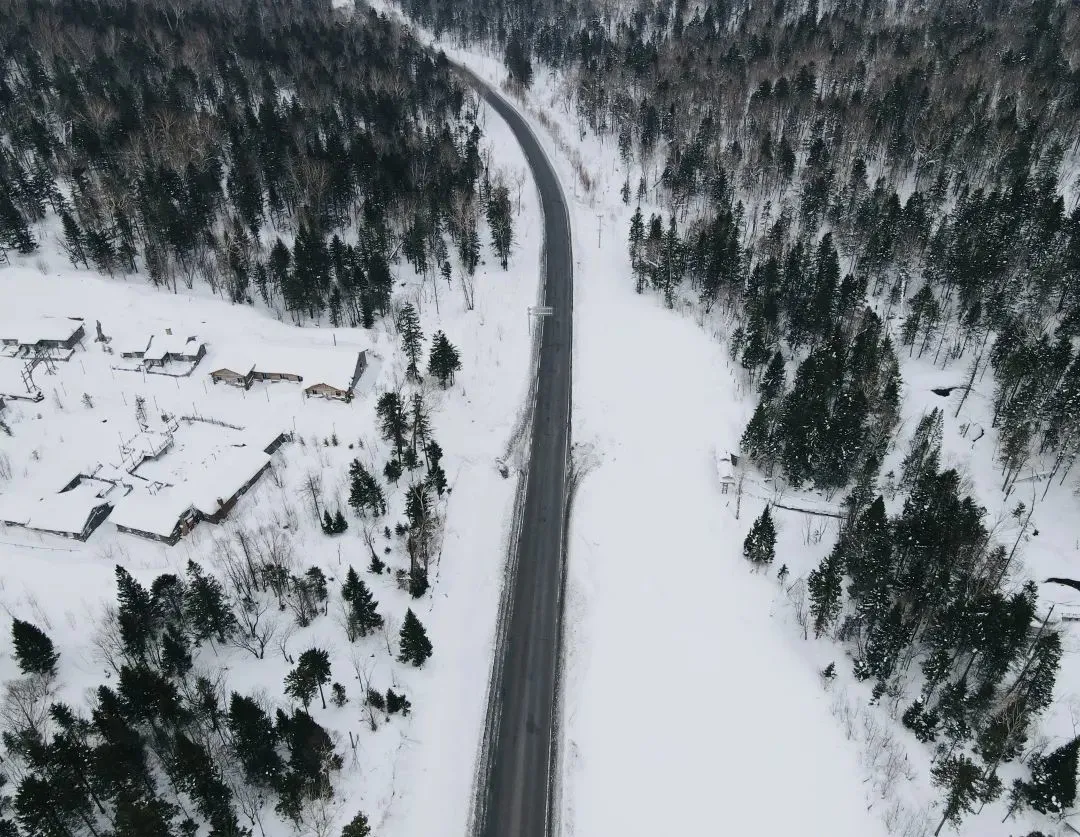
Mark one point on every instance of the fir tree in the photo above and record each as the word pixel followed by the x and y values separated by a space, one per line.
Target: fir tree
pixel 397 703
pixel 357 827
pixel 500 221
pixel 921 721
pixel 73 240
pixel 311 753
pixel 962 781
pixel 350 588
pixel 444 360
pixel 1052 788
pixel 254 740
pixel 408 323
pixel 772 382
pixel 415 645
pixel 207 606
pixel 825 586
pixel 760 544
pixel 312 672
pixel 136 616
pixel 34 650
pixel 175 652
pixel 393 422
pixel 517 61
pixel 363 615
pixel 338 696
pixel 341 525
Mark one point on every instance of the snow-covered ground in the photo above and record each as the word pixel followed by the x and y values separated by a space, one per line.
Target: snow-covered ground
pixel 692 703
pixel 687 708
pixel 414 775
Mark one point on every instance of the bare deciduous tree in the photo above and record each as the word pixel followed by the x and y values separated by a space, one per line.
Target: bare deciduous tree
pixel 257 624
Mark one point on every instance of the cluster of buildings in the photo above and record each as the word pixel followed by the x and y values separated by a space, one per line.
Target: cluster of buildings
pixel 323 373
pixel 148 498
pixel 163 484
pixel 163 352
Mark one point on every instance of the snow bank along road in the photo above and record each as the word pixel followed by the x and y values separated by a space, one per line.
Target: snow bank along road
pixel 515 798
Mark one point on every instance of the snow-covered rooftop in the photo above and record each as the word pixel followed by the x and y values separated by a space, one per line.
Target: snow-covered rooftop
pixel 128 343
pixel 154 513
pixel 171 344
pixel 66 512
pixel 332 365
pixel 31 330
pixel 224 477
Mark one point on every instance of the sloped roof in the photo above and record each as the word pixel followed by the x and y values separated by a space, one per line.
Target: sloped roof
pixel 31 330
pixel 224 477
pixel 154 513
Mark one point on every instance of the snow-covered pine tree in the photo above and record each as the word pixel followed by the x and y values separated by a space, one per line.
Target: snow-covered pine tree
pixel 759 546
pixel 413 640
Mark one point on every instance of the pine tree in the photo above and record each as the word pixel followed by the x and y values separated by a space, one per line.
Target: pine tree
pixel 207 606
pixel 14 231
pixel 408 323
pixel 760 544
pixel 500 221
pixel 312 672
pixel 825 586
pixel 444 360
pixel 327 523
pixel 254 740
pixel 341 525
pixel 415 645
pixel 517 61
pixel 34 650
pixel 73 240
pixel 637 238
pixel 772 382
pixel 136 616
pixel 1052 788
pixel 350 588
pixel 175 653
pixel 363 614
pixel 311 753
pixel 357 827
pixel 962 781
pixel 397 703
pixel 393 423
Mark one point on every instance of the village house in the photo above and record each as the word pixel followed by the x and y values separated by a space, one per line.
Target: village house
pixel 326 373
pixel 165 516
pixel 72 513
pixel 157 350
pixel 168 347
pixel 165 513
pixel 28 336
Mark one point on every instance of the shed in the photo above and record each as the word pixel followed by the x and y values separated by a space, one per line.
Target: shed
pixel 726 465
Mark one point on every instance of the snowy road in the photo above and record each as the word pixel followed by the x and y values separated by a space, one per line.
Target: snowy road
pixel 516 799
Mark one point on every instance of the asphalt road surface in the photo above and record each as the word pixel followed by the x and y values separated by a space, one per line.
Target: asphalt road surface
pixel 517 799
